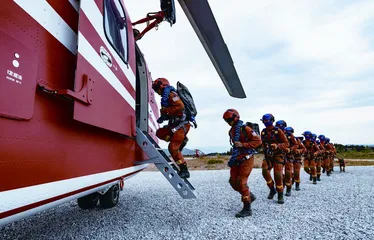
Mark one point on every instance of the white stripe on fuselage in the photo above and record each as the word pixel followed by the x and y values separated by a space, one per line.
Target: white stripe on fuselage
pixel 96 18
pixel 92 12
pixel 46 16
pixel 16 198
pixel 89 53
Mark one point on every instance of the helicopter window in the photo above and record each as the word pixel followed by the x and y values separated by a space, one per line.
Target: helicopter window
pixel 115 27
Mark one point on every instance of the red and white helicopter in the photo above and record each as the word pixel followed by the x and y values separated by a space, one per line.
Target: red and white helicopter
pixel 77 111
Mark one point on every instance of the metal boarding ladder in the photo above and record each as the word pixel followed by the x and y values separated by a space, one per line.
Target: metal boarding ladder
pixel 164 164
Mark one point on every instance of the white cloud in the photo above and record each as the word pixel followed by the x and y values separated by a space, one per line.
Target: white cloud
pixel 308 62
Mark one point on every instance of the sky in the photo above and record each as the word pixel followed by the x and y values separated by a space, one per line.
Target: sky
pixel 309 63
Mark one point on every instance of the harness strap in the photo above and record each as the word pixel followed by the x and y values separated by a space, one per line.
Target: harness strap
pixel 179 126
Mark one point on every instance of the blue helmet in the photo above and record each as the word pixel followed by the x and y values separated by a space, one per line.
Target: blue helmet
pixel 318 142
pixel 328 140
pixel 289 130
pixel 281 124
pixel 307 135
pixel 322 137
pixel 301 138
pixel 267 119
pixel 314 136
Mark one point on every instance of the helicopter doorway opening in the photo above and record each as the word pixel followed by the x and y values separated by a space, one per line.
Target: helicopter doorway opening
pixel 141 91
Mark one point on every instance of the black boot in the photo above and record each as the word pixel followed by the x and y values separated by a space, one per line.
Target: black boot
pixel 253 197
pixel 288 191
pixel 315 180
pixel 318 177
pixel 280 198
pixel 297 186
pixel 183 173
pixel 272 193
pixel 310 177
pixel 324 170
pixel 246 211
pixel 183 144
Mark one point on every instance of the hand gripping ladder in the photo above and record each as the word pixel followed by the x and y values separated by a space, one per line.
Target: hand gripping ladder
pixel 164 164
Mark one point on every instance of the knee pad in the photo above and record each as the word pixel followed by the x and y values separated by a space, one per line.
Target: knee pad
pixel 277 175
pixel 265 172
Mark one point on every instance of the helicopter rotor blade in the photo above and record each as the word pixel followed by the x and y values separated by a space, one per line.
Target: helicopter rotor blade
pixel 204 24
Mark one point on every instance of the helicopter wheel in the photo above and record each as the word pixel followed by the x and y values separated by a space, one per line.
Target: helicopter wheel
pixel 110 198
pixel 89 201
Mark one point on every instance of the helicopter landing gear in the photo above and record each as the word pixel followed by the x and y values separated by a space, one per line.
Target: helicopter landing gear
pixel 89 201
pixel 110 198
pixel 106 199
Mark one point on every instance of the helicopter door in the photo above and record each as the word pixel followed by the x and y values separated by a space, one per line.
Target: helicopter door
pixel 104 74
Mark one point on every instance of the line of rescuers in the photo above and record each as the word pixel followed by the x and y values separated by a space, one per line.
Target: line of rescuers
pixel 283 152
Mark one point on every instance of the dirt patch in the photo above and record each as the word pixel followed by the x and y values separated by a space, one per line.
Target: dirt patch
pixel 358 162
pixel 210 163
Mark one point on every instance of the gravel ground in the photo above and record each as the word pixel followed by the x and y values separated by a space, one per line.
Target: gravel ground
pixel 339 207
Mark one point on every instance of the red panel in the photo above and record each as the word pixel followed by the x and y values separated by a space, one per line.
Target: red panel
pixel 96 42
pixel 18 66
pixel 52 146
pixel 108 109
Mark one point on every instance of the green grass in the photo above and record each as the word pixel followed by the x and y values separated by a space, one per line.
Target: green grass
pixel 356 155
pixel 215 161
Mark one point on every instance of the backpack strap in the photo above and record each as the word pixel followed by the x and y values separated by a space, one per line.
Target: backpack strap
pixel 276 133
pixel 244 132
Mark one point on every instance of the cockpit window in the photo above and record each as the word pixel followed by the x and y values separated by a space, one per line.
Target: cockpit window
pixel 115 27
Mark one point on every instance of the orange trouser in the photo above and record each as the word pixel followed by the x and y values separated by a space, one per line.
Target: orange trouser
pixel 327 164
pixel 310 167
pixel 176 139
pixel 331 163
pixel 288 172
pixel 276 162
pixel 296 170
pixel 239 177
pixel 318 166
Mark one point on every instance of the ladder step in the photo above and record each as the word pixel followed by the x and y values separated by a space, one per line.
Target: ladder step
pixel 164 164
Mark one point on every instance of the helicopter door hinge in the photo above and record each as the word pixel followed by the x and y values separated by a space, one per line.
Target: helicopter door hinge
pixel 84 95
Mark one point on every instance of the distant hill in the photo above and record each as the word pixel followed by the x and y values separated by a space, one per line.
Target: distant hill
pixel 185 151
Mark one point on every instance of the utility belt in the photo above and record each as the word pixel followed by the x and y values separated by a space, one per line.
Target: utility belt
pixel 290 159
pixel 271 153
pixel 239 161
pixel 270 159
pixel 297 160
pixel 180 125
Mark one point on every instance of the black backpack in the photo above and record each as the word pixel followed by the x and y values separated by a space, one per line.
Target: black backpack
pixel 189 105
pixel 254 126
